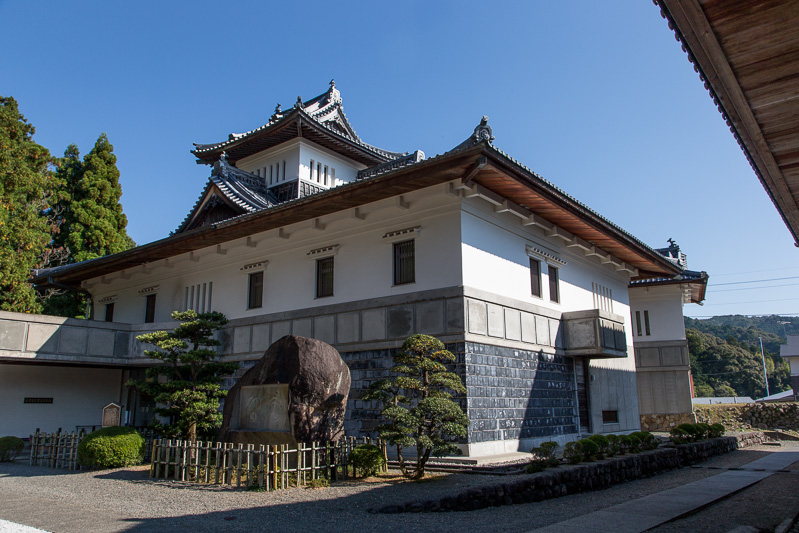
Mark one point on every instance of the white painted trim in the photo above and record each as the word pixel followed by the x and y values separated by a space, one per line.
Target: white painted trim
pixel 254 267
pixel 547 257
pixel 320 253
pixel 402 234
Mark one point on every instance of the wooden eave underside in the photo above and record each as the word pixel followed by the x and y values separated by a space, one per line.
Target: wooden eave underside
pixel 748 55
pixel 290 127
pixel 500 176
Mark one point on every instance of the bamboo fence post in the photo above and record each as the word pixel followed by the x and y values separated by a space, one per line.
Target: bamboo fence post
pixel 207 461
pixel 154 460
pixel 273 459
pixel 217 461
pixel 249 465
pixel 229 463
pixel 261 466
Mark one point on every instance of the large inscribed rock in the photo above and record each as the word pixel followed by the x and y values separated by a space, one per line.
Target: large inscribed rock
pixel 297 392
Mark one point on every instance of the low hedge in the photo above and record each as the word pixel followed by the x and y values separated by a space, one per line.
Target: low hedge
pixel 685 433
pixel 111 447
pixel 367 459
pixel 10 448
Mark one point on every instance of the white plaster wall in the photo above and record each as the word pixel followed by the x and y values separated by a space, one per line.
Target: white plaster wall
pixel 288 152
pixel 363 262
pixel 665 307
pixel 346 169
pixel 79 395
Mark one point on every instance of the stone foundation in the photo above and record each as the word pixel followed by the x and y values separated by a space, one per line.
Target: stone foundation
pixel 750 415
pixel 666 422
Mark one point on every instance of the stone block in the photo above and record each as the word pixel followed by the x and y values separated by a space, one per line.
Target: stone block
pixel 542 330
pixel 513 324
pixel 101 342
pixel 280 329
pixel 400 321
pixel 122 344
pixel 528 327
pixel 260 337
pixel 373 322
pixel 348 328
pixel 12 335
pixel 324 328
pixel 72 340
pixel 302 327
pixel 41 338
pixel 672 356
pixel 648 357
pixel 455 316
pixel 496 321
pixel 556 333
pixel 430 317
pixel 241 339
pixel 581 334
pixel 478 317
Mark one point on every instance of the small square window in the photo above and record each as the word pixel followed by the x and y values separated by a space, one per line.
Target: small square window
pixel 404 262
pixel 255 293
pixel 324 277
pixel 554 286
pixel 610 417
pixel 149 309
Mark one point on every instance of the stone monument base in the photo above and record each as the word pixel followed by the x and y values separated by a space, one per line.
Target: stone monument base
pixel 267 438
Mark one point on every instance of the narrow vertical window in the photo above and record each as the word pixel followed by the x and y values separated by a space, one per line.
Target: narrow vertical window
pixel 324 277
pixel 210 294
pixel 109 312
pixel 326 176
pixel 332 177
pixel 149 309
pixel 310 177
pixel 535 277
pixel 638 323
pixel 284 169
pixel 256 290
pixel 202 300
pixel 554 286
pixel 646 322
pixel 319 172
pixel 404 262
pixel 186 300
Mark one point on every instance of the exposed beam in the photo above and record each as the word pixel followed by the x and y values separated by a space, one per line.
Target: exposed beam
pixel 283 234
pixel 357 214
pixel 402 203
pixel 318 225
pixel 220 250
pixel 251 243
pixel 475 168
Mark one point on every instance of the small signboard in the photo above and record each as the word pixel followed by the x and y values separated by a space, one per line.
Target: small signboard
pixel 111 415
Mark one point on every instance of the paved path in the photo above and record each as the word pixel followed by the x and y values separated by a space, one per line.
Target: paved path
pixel 651 511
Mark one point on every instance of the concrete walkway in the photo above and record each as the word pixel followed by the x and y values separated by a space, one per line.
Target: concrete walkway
pixel 651 511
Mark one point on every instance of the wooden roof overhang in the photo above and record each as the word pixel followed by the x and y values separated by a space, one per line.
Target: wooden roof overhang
pixel 501 175
pixel 294 124
pixel 696 286
pixel 747 53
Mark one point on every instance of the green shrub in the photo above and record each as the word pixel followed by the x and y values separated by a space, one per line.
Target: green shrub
pixel 367 459
pixel 625 443
pixel 717 430
pixel 318 483
pixel 572 453
pixel 615 444
pixel 111 447
pixel 635 443
pixel 678 435
pixel 603 443
pixel 648 441
pixel 543 457
pixel 589 450
pixel 10 448
pixel 702 431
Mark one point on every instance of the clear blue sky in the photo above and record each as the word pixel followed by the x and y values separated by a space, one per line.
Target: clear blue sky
pixel 597 97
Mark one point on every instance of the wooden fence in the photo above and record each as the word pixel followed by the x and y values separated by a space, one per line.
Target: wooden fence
pixel 268 467
pixel 60 449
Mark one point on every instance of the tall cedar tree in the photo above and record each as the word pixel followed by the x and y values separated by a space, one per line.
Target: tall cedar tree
pixel 418 410
pixel 92 222
pixel 189 396
pixel 26 189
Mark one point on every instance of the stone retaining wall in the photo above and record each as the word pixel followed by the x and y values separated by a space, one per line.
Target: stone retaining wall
pixel 572 479
pixel 666 422
pixel 751 415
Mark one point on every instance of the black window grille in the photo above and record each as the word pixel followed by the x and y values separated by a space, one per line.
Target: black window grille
pixel 535 277
pixel 255 294
pixel 324 277
pixel 554 286
pixel 149 309
pixel 404 262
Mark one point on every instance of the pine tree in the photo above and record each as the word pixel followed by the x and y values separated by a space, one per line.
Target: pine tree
pixel 26 188
pixel 189 392
pixel 94 224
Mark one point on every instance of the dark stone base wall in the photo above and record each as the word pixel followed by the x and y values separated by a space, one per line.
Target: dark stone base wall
pixel 517 394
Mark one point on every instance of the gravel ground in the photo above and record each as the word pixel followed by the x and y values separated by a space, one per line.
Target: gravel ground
pixel 125 499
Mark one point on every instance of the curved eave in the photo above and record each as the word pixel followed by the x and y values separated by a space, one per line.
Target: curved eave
pixel 503 174
pixel 294 124
pixel 697 286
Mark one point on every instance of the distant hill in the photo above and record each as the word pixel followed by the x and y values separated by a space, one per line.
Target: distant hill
pixel 725 354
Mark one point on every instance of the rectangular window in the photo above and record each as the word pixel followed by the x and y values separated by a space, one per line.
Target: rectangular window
pixel 326 176
pixel 319 172
pixel 109 312
pixel 638 323
pixel 610 417
pixel 646 322
pixel 312 169
pixel 284 169
pixel 324 277
pixel 332 177
pixel 535 277
pixel 149 309
pixel 554 288
pixel 255 296
pixel 404 262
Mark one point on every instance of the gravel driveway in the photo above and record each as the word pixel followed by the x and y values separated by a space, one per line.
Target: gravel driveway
pixel 126 500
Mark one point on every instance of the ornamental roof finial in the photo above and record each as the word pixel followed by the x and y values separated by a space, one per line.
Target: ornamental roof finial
pixel 277 108
pixel 483 131
pixel 221 166
pixel 333 84
pixel 298 105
